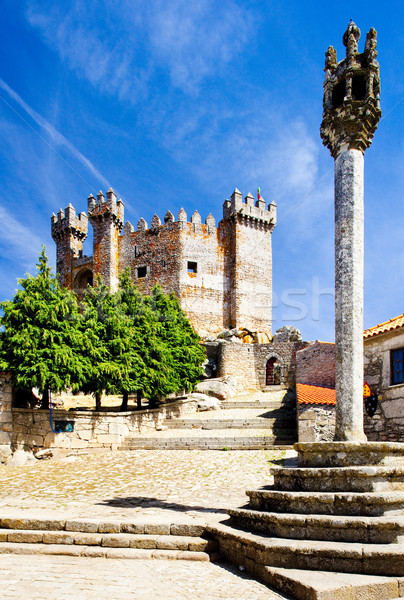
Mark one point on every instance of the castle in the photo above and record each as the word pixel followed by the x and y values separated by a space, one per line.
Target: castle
pixel 222 275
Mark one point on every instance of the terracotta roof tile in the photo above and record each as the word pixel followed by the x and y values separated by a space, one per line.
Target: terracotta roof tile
pixel 313 394
pixel 394 323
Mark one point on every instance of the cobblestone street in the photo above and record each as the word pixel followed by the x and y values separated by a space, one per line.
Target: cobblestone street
pixel 69 578
pixel 141 484
pixel 146 485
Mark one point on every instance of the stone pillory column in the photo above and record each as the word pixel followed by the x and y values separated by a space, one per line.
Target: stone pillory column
pixel 351 113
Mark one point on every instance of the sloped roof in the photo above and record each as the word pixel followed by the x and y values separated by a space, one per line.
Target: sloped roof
pixel 313 394
pixel 394 323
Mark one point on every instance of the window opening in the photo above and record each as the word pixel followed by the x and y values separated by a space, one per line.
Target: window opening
pixel 358 87
pixel 192 267
pixel 397 364
pixel 141 272
pixel 338 94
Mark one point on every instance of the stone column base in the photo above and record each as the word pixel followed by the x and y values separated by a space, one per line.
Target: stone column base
pixel 345 454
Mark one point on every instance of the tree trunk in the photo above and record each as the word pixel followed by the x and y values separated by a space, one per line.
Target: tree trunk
pixel 153 402
pixel 98 396
pixel 139 399
pixel 45 398
pixel 124 405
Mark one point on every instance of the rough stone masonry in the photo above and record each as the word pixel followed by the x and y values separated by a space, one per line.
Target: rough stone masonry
pixel 222 275
pixel 351 113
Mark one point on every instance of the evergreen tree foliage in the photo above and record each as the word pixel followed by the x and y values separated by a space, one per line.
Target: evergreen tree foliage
pixel 182 349
pixel 120 343
pixel 41 339
pixel 107 343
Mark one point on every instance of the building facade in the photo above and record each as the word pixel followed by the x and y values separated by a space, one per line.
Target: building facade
pixel 383 371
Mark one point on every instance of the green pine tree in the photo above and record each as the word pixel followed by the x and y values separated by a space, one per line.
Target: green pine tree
pixel 41 339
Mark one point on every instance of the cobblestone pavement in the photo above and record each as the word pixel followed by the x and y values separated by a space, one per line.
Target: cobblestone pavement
pixel 167 485
pixel 144 485
pixel 69 578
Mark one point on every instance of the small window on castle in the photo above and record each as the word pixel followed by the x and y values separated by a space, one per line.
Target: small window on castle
pixel 397 366
pixel 192 267
pixel 141 272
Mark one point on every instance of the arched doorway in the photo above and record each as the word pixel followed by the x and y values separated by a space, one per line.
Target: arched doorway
pixel 273 371
pixel 81 281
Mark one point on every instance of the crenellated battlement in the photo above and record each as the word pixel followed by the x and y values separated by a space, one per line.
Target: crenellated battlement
pixel 170 223
pixel 68 223
pixel 250 211
pixel 108 208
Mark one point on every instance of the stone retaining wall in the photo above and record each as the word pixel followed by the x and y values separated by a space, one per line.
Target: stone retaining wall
pixel 247 362
pixel 316 422
pixel 31 428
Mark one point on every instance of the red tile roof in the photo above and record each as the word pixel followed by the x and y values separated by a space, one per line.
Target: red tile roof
pixel 394 323
pixel 313 394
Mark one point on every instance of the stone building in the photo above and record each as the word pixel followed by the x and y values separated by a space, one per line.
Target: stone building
pixel 383 371
pixel 221 274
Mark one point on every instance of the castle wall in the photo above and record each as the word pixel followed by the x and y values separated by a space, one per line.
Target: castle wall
pixel 221 275
pixel 106 217
pixel 252 295
pixel 68 231
pixel 202 292
pixel 158 251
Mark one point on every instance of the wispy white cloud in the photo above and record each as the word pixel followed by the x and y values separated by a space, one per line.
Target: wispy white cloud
pixel 56 139
pixel 18 240
pixel 121 49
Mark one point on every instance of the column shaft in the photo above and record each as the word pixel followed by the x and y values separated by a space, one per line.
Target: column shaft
pixel 349 239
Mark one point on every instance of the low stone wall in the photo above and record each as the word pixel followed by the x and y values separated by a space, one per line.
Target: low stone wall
pixel 316 423
pixel 6 417
pixel 31 429
pixel 247 362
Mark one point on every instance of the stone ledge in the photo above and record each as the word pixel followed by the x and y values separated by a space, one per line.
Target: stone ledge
pixel 344 454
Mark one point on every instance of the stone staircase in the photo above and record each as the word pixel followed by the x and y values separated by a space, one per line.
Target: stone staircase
pixel 344 522
pixel 108 539
pixel 241 424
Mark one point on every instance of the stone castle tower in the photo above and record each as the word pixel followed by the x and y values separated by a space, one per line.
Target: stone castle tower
pixel 222 275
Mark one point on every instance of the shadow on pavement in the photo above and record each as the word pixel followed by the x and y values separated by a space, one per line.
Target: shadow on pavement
pixel 147 502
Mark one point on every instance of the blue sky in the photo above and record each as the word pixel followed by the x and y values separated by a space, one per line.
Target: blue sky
pixel 176 103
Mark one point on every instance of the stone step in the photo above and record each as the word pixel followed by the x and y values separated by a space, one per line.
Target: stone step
pixel 250 549
pixel 331 503
pixel 322 585
pixel 338 479
pixel 335 454
pixel 368 530
pixel 105 552
pixel 257 423
pixel 107 540
pixel 262 405
pixel 206 443
pixel 10 522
